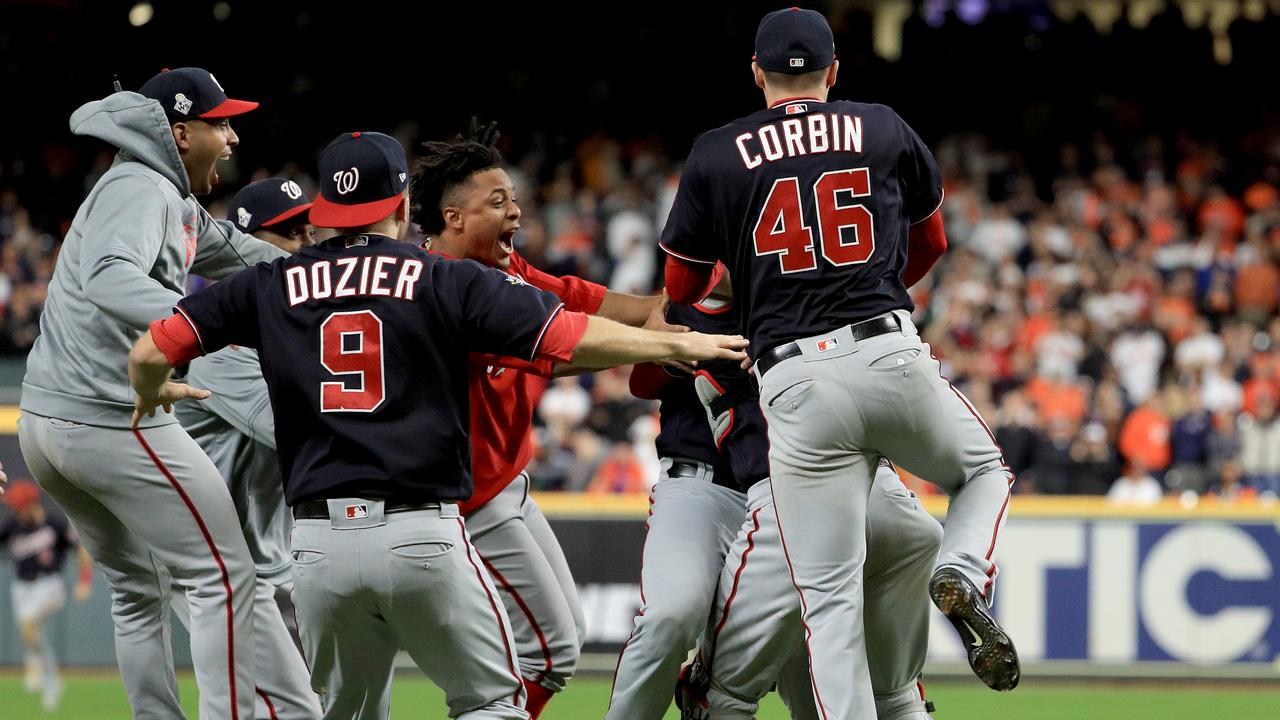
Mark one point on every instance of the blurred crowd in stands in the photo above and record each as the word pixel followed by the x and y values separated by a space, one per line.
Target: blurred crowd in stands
pixel 1113 317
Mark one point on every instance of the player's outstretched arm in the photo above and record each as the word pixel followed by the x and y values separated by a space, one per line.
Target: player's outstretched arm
pixel 149 373
pixel 608 344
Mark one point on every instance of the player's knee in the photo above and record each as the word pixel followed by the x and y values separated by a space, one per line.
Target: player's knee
pixel 30 630
pixel 676 621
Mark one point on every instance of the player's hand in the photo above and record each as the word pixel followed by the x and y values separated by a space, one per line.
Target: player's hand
pixel 169 393
pixel 657 322
pixel 657 319
pixel 695 347
pixel 83 591
pixel 708 392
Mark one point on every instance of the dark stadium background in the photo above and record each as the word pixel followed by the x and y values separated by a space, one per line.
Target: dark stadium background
pixel 555 72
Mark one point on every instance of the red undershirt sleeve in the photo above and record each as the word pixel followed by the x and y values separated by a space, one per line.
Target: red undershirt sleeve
pixel 562 336
pixel 176 337
pixel 647 380
pixel 688 282
pixel 926 242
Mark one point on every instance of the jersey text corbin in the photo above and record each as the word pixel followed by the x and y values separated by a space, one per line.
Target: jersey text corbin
pixel 792 137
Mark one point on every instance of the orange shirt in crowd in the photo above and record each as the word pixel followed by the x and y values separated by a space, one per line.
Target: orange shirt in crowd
pixel 1057 400
pixel 1177 316
pixel 1258 287
pixel 619 475
pixel 1255 386
pixel 1034 328
pixel 1145 437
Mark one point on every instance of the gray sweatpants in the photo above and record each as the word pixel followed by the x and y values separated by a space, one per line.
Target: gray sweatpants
pixel 282 683
pixel 759 634
pixel 148 505
pixel 522 554
pixel 832 413
pixel 367 586
pixel 691 525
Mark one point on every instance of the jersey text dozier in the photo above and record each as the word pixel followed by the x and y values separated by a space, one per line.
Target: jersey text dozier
pixel 370 275
pixel 795 136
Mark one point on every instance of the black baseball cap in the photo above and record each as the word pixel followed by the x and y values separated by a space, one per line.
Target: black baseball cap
pixel 191 92
pixel 266 203
pixel 362 176
pixel 794 41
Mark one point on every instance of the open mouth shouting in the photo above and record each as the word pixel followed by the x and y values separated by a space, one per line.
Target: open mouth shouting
pixel 506 240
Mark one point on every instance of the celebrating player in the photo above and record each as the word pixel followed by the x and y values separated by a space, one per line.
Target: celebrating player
pixel 811 204
pixel 466 203
pixel 148 494
pixel 715 460
pixel 38 543
pixel 369 353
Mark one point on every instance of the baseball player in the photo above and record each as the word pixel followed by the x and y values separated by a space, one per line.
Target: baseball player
pixel 370 341
pixel 39 543
pixel 811 205
pixel 274 210
pixel 465 202
pixel 236 429
pixel 146 501
pixel 698 507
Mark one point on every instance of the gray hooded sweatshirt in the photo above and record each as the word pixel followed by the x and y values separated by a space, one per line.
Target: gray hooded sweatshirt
pixel 124 263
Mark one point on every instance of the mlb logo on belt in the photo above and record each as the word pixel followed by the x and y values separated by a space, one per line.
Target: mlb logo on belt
pixel 828 344
pixel 357 511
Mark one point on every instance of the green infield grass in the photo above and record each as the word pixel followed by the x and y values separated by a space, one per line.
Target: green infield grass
pixel 100 696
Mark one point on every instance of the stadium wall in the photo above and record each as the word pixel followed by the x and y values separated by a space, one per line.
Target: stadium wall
pixel 1086 588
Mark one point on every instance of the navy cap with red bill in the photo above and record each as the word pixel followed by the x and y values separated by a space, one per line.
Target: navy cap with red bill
pixel 363 176
pixel 267 203
pixel 794 41
pixel 192 93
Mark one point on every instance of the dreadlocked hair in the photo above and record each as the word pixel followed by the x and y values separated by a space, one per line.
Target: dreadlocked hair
pixel 442 167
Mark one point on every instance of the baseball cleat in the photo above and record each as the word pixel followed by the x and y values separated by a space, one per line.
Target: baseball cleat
pixel 691 691
pixel 991 653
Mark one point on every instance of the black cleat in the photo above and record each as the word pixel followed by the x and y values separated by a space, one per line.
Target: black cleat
pixel 991 653
pixel 691 690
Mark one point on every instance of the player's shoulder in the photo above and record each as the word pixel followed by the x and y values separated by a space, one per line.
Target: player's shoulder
pixel 871 113
pixel 724 135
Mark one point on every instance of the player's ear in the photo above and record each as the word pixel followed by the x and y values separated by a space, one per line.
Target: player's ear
pixel 182 136
pixel 757 74
pixel 402 210
pixel 831 73
pixel 452 217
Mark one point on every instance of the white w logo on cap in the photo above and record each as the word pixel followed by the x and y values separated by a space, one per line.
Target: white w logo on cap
pixel 347 180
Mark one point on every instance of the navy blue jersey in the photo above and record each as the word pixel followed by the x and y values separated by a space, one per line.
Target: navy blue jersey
pixel 808 206
pixel 363 343
pixel 745 451
pixel 38 549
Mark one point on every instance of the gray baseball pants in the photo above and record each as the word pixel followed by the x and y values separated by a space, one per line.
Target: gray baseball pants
pixel 282 684
pixel 832 413
pixel 367 586
pixel 758 631
pixel 691 525
pixel 521 553
pixel 149 504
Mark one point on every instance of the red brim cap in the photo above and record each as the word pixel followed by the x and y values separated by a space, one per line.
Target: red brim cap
pixel 287 215
pixel 328 214
pixel 230 108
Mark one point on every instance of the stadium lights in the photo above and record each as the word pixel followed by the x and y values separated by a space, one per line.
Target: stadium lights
pixel 141 14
